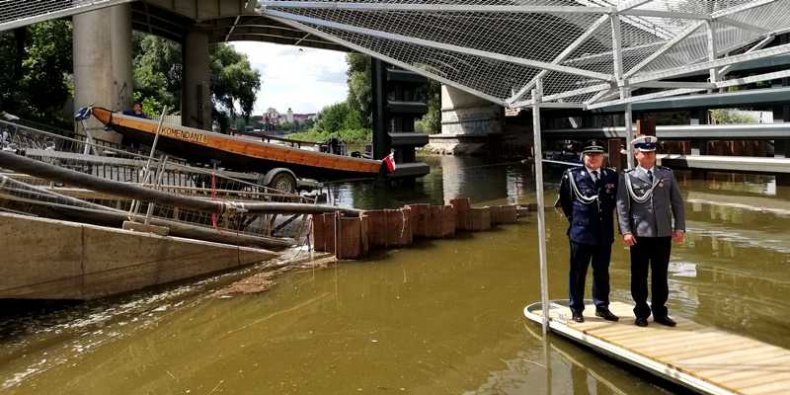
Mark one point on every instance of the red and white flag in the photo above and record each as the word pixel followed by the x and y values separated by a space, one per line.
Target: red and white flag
pixel 389 161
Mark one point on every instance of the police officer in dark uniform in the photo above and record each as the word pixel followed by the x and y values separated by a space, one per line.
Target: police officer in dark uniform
pixel 587 196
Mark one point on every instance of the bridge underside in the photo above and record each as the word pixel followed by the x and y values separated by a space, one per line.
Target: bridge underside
pixel 173 25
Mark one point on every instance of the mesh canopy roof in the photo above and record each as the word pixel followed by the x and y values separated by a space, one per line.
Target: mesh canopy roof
pixel 579 53
pixel 14 13
pixel 584 52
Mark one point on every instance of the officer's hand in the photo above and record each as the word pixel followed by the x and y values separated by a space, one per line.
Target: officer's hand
pixel 678 236
pixel 629 239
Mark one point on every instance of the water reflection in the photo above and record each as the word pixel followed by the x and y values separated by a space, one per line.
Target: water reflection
pixel 730 183
pixel 482 180
pixel 562 367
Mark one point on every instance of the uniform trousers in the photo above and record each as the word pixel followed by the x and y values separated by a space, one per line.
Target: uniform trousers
pixel 650 253
pixel 581 256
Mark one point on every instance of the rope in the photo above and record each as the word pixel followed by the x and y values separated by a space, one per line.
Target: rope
pixel 637 198
pixel 586 200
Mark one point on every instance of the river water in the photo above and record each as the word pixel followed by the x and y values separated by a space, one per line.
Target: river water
pixel 440 317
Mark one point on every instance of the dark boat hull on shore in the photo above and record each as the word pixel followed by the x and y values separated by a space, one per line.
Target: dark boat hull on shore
pixel 201 147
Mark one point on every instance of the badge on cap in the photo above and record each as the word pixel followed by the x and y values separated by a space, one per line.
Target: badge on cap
pixel 593 146
pixel 645 143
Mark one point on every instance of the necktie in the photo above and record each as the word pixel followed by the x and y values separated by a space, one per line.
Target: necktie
pixel 650 176
pixel 595 177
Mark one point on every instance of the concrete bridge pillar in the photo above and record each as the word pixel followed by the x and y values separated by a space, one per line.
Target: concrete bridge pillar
pixel 103 61
pixel 196 91
pixel 468 115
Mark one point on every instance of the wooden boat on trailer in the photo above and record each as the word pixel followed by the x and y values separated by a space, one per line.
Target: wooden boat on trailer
pixel 201 147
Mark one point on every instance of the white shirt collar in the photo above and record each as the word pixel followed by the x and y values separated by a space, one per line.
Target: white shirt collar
pixel 653 169
pixel 589 171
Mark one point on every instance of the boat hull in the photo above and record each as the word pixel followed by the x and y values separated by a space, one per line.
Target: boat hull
pixel 203 147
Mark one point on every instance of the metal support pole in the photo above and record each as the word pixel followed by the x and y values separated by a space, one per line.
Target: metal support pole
pixel 617 50
pixel 89 143
pixel 160 173
pixel 711 44
pixel 547 363
pixel 537 95
pixel 629 128
pixel 147 168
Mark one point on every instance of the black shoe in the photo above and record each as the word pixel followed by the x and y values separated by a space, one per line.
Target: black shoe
pixel 606 314
pixel 577 317
pixel 640 322
pixel 665 321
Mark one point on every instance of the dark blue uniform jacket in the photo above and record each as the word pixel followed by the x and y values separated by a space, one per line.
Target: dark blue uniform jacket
pixel 589 223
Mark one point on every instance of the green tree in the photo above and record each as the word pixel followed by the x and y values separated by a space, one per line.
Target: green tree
pixel 36 70
pixel 360 86
pixel 158 76
pixel 48 65
pixel 287 126
pixel 158 71
pixel 431 122
pixel 234 84
pixel 336 120
pixel 10 71
pixel 337 117
pixel 725 117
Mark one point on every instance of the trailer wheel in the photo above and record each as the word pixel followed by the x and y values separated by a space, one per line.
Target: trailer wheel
pixel 283 181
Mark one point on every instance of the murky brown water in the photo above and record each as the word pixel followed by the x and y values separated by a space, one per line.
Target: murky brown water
pixel 442 317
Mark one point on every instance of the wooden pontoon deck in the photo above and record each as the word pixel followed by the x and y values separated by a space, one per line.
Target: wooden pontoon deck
pixel 197 145
pixel 701 358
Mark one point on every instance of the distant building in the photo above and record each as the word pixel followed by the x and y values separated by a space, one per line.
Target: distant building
pixel 301 119
pixel 272 118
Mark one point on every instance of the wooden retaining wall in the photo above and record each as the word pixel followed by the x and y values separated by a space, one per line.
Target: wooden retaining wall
pixel 393 228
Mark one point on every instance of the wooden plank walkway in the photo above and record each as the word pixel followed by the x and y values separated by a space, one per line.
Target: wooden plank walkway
pixel 699 357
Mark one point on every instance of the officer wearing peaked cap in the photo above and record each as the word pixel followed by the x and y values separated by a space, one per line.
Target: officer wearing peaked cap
pixel 650 212
pixel 587 196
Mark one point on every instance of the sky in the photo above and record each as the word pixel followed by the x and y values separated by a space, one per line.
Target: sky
pixel 304 79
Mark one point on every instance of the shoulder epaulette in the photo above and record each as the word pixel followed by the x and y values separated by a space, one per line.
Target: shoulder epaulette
pixel 664 168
